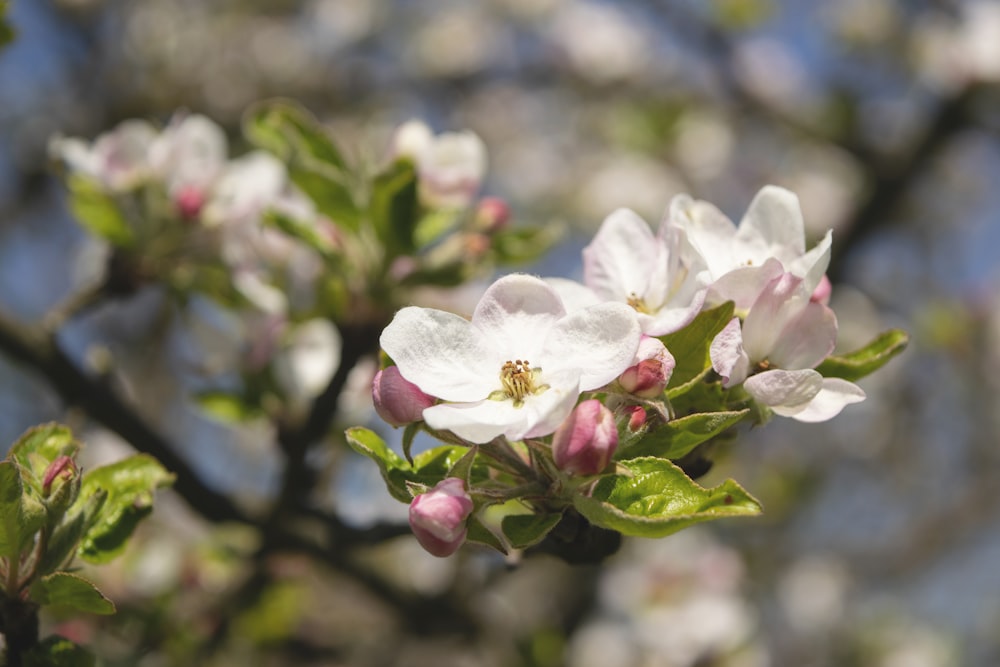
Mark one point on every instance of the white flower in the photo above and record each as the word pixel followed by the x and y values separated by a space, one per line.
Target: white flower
pixel 658 275
pixel 189 154
pixel 517 368
pixel 784 336
pixel 450 166
pixel 248 186
pixel 118 160
pixel 736 256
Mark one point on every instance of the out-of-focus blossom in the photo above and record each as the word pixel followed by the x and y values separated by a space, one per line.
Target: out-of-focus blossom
pixel 306 361
pixel 951 54
pixel 600 41
pixel 517 368
pixel 438 517
pixel 397 400
pixel 492 214
pixel 784 336
pixel 450 166
pixel 247 186
pixel 656 275
pixel 586 441
pixel 118 160
pixel 653 365
pixel 737 256
pixel 189 155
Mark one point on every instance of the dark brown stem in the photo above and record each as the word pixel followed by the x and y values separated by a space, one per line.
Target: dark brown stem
pixel 19 623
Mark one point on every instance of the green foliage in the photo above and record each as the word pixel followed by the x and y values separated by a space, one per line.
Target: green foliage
pixel 38 447
pixel 6 30
pixel 394 208
pixel 129 485
pixel 867 360
pixel 21 512
pixel 98 211
pixel 227 407
pixel 57 651
pixel 690 345
pixel 679 436
pixel 655 499
pixel 525 530
pixel 524 245
pixel 69 591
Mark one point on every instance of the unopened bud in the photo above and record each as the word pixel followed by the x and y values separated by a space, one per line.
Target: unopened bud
pixel 492 214
pixel 397 400
pixel 61 470
pixel 586 441
pixel 60 486
pixel 651 370
pixel 438 517
pixel 189 201
pixel 636 417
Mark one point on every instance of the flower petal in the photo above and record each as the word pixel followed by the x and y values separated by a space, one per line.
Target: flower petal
pixel 574 295
pixel 807 339
pixel 742 286
pixel 599 342
pixel 812 266
pixel 727 355
pixel 778 303
pixel 620 259
pixel 442 354
pixel 708 231
pixel 515 313
pixel 785 392
pixel 774 223
pixel 830 400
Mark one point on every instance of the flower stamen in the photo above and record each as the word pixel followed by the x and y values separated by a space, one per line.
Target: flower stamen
pixel 638 303
pixel 516 379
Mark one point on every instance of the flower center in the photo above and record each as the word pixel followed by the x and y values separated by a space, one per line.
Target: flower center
pixel 517 379
pixel 638 303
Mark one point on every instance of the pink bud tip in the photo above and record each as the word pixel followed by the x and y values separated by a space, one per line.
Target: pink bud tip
pixel 636 417
pixel 189 201
pixel 397 400
pixel 492 214
pixel 586 441
pixel 438 517
pixel 62 466
pixel 651 372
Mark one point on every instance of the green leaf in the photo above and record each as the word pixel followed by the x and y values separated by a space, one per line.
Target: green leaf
pixel 130 484
pixel 302 231
pixel 70 591
pixel 690 345
pixel 867 360
pixel 38 447
pixel 55 651
pixel 66 537
pixel 525 530
pixel 6 31
pixel 524 245
pixel 478 533
pixel 98 212
pixel 678 437
pixel 394 207
pixel 658 499
pixel 409 433
pixel 21 513
pixel 226 407
pixel 433 225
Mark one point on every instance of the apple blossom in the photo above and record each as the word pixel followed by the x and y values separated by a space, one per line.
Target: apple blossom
pixel 450 165
pixel 437 517
pixel 189 155
pixel 398 401
pixel 784 336
pixel 517 368
pixel 736 256
pixel 648 376
pixel 586 441
pixel 656 275
pixel 118 160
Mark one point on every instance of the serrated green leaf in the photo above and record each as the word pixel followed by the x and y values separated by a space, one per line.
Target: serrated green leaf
pixel 658 499
pixel 525 530
pixel 97 211
pixel 38 447
pixel 21 513
pixel 55 651
pixel 679 436
pixel 690 345
pixel 70 591
pixel 524 245
pixel 394 207
pixel 129 484
pixel 478 533
pixel 867 360
pixel 226 407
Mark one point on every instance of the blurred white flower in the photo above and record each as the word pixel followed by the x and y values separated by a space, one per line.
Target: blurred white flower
pixel 118 160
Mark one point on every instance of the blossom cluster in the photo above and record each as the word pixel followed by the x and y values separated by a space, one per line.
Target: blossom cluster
pixel 559 373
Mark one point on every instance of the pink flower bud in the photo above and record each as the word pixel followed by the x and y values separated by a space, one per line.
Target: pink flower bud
pixel 397 400
pixel 63 467
pixel 189 200
pixel 492 214
pixel 636 417
pixel 586 441
pixel 822 292
pixel 653 366
pixel 438 517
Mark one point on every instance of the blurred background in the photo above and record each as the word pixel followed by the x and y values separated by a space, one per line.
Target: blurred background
pixel 880 543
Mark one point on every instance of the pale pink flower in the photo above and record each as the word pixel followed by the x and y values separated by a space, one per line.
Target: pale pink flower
pixel 437 518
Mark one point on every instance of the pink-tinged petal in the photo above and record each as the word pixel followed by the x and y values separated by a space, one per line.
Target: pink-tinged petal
pixel 822 292
pixel 807 339
pixel 779 302
pixel 621 258
pixel 442 354
pixel 742 286
pixel 774 218
pixel 729 359
pixel 785 392
pixel 599 342
pixel 668 320
pixel 708 231
pixel 831 399
pixel 515 313
pixel 574 295
pixel 812 266
pixel 480 422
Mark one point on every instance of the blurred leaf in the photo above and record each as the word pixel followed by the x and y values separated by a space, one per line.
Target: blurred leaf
pixel 690 345
pixel 21 513
pixel 6 31
pixel 448 275
pixel 130 484
pixel 478 533
pixel 868 359
pixel 394 207
pixel 70 591
pixel 433 225
pixel 55 651
pixel 226 407
pixel 525 530
pixel 657 499
pixel 66 537
pixel 276 614
pixel 302 231
pixel 678 437
pixel 38 447
pixel 741 14
pixel 97 211
pixel 524 245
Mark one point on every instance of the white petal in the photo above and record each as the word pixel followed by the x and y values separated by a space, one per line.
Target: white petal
pixel 669 320
pixel 442 354
pixel 599 342
pixel 708 230
pixel 622 256
pixel 812 266
pixel 775 218
pixel 742 286
pixel 779 302
pixel 516 313
pixel 727 355
pixel 574 295
pixel 785 392
pixel 830 400
pixel 807 339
